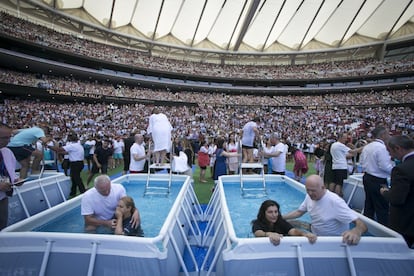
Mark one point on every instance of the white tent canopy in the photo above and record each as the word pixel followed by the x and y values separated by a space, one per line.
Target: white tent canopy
pixel 257 25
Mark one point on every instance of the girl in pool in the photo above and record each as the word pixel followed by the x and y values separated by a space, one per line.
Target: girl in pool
pixel 123 213
pixel 269 223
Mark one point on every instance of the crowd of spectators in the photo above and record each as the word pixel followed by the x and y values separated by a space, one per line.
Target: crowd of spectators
pixel 75 44
pixel 385 97
pixel 191 122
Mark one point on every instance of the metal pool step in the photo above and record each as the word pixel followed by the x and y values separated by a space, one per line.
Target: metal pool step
pixel 200 254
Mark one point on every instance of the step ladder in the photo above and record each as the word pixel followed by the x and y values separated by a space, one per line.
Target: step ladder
pixel 164 185
pixel 158 189
pixel 43 164
pixel 255 177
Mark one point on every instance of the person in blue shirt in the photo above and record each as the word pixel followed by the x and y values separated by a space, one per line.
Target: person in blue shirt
pixel 124 210
pixel 220 166
pixel 21 144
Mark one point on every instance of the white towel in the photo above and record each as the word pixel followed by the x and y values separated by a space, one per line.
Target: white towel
pixel 179 163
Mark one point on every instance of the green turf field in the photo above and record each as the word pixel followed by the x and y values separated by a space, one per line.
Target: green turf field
pixel 202 190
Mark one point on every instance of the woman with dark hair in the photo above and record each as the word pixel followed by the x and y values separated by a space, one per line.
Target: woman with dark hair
pixel 269 223
pixel 220 166
pixel 328 176
pixel 188 150
pixel 319 154
pixel 124 210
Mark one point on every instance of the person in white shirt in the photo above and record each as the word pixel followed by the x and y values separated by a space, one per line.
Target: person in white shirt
pixel 233 162
pixel 89 147
pixel 138 156
pixel 118 145
pixel 75 153
pixel 278 155
pixel 160 129
pixel 98 204
pixel 330 215
pixel 267 149
pixel 212 154
pixel 377 165
pixel 250 132
pixel 340 153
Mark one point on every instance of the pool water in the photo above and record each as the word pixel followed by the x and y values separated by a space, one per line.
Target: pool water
pixel 243 208
pixel 153 210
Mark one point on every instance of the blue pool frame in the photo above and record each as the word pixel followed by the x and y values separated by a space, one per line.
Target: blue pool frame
pixel 41 253
pixel 187 230
pixel 38 194
pixel 383 253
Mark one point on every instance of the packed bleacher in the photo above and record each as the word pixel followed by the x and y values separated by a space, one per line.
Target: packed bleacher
pixel 372 98
pixel 72 43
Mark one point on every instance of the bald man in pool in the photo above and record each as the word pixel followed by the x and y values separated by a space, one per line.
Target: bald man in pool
pixel 99 204
pixel 329 213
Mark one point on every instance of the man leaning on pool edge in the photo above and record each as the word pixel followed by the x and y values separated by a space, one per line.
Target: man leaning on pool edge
pixel 329 213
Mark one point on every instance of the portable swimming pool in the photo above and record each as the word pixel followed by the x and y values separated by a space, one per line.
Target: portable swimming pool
pixel 161 253
pixel 183 247
pixel 38 194
pixel 383 252
pixel 244 207
pixel 354 193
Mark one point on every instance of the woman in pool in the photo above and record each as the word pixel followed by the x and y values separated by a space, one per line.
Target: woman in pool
pixel 123 213
pixel 269 223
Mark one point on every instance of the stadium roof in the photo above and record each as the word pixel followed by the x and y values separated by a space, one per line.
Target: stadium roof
pixel 246 26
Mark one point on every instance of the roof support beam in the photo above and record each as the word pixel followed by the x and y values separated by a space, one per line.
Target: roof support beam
pixel 290 19
pixel 350 24
pixel 250 14
pixel 237 24
pixel 198 23
pixel 310 25
pixel 273 25
pixel 134 10
pixel 158 20
pixel 396 21
pixel 217 16
pixel 112 13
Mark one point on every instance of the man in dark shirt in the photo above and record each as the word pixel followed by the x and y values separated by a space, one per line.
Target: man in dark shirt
pixel 401 193
pixel 100 160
